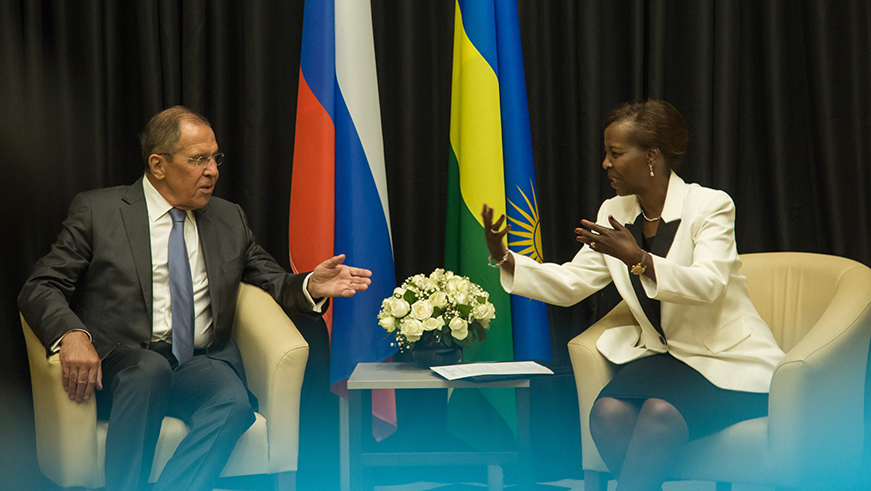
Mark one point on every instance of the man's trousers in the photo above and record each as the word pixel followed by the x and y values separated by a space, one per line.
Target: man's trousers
pixel 140 388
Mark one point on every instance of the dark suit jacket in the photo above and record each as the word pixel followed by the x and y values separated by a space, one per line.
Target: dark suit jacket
pixel 97 276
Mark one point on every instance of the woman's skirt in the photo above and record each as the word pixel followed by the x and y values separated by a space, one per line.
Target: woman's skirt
pixel 706 408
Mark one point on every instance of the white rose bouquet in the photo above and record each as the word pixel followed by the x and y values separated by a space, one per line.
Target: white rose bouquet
pixel 445 307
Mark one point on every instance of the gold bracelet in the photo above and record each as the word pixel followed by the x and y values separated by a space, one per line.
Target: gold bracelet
pixel 639 268
pixel 500 263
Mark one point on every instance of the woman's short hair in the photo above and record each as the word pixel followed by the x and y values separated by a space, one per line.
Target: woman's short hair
pixel 656 124
pixel 161 134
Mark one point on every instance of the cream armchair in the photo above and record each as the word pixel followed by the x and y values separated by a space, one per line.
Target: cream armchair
pixel 819 309
pixel 70 441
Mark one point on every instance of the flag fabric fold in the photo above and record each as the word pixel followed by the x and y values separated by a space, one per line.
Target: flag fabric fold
pixel 531 329
pixel 491 162
pixel 339 186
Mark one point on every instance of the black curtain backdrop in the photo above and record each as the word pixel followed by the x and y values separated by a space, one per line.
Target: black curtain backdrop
pixel 775 94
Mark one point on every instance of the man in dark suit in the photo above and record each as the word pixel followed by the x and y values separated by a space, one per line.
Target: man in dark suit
pixel 138 295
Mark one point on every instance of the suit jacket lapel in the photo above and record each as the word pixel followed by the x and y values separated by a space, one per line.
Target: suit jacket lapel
pixel 647 304
pixel 134 213
pixel 208 237
pixel 665 233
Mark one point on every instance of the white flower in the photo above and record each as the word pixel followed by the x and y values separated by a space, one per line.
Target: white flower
pixel 465 285
pixel 399 292
pixel 462 298
pixel 397 307
pixel 459 328
pixel 412 329
pixel 438 299
pixel 421 310
pixel 484 312
pixel 388 323
pixel 418 280
pixel 433 323
pixel 452 284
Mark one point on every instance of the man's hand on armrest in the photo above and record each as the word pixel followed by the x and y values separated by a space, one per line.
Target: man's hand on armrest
pixel 80 366
pixel 331 278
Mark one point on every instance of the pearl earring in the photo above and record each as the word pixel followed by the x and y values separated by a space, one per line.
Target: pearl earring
pixel 650 164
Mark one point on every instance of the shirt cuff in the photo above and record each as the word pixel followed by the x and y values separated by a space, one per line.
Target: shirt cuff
pixel 317 307
pixel 56 346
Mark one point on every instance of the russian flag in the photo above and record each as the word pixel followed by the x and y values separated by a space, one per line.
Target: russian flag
pixel 338 201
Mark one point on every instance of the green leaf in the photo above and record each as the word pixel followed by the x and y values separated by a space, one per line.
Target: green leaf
pixel 465 343
pixel 479 331
pixel 409 297
pixel 464 310
pixel 437 311
pixel 448 340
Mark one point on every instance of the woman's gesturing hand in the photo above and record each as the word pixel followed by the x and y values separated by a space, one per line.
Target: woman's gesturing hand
pixel 617 241
pixel 494 233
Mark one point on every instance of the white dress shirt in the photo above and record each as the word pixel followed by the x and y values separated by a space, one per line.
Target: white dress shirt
pixel 160 224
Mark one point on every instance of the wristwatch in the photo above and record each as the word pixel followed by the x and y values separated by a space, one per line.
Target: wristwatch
pixel 639 268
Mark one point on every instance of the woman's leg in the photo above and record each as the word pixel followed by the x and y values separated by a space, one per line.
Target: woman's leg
pixel 612 422
pixel 658 435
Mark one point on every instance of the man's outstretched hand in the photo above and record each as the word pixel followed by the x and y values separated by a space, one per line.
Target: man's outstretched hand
pixel 331 278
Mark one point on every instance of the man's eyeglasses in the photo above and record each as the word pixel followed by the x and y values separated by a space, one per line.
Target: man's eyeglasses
pixel 203 159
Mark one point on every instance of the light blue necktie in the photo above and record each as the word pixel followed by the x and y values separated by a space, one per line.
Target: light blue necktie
pixel 181 291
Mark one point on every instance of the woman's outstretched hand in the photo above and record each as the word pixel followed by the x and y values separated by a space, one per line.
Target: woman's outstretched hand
pixel 494 233
pixel 617 241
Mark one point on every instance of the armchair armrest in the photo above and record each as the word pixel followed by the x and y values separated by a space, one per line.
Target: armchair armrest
pixel 66 431
pixel 274 354
pixel 592 373
pixel 817 399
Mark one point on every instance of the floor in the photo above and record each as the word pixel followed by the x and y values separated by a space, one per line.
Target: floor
pixel 561 485
pixel 564 485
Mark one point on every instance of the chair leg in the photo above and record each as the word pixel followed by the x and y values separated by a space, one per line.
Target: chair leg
pixel 724 486
pixel 595 481
pixel 285 481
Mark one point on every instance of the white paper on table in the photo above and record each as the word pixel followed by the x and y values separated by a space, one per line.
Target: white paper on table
pixel 507 368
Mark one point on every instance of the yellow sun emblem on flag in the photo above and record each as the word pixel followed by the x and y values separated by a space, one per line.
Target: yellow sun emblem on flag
pixel 529 238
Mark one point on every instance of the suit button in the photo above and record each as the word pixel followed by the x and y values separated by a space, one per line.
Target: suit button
pixel 661 339
pixel 143 345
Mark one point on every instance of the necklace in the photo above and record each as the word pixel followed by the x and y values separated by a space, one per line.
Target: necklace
pixel 649 219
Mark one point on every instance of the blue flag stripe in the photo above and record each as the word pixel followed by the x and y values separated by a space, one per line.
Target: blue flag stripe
pixel 362 235
pixel 478 22
pixel 318 54
pixel 529 317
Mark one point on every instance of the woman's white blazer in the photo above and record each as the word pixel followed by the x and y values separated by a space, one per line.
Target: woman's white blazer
pixel 706 317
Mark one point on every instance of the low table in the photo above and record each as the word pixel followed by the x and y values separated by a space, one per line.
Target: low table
pixel 368 376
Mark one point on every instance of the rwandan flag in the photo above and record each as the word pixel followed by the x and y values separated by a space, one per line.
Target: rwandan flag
pixel 491 162
pixel 338 201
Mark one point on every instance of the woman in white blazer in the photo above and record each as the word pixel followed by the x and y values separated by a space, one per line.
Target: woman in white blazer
pixel 700 358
